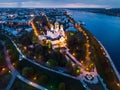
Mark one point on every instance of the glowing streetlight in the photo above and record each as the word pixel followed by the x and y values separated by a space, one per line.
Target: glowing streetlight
pixel 35 78
pixel 3 69
pixel 118 84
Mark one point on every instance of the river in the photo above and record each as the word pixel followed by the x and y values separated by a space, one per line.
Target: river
pixel 106 29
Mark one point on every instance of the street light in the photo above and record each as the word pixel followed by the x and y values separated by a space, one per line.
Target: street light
pixel 3 69
pixel 118 84
pixel 35 78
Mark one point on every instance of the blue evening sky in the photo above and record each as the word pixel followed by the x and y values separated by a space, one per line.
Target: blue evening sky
pixel 61 3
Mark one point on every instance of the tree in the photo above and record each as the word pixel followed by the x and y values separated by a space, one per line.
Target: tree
pixel 58 57
pixel 51 63
pixel 76 70
pixel 69 66
pixel 1 47
pixel 28 72
pixel 39 58
pixel 62 86
pixel 38 50
pixel 43 79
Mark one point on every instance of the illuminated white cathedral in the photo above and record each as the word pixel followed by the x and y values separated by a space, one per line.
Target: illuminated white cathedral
pixel 56 35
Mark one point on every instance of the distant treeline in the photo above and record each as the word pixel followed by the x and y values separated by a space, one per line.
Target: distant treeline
pixel 107 11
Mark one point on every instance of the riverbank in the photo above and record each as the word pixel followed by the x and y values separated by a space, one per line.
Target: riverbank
pixel 106 53
pixel 109 74
pixel 108 56
pixel 105 11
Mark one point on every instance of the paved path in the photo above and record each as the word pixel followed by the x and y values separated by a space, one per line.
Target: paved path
pixel 108 56
pixel 15 73
pixel 11 81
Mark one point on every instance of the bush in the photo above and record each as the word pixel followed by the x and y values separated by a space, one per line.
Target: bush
pixel 69 66
pixel 62 86
pixel 28 72
pixel 43 79
pixel 51 63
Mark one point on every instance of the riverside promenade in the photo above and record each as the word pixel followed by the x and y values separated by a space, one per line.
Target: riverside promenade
pixel 108 56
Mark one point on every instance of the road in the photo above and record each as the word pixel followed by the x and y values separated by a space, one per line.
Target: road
pixel 15 73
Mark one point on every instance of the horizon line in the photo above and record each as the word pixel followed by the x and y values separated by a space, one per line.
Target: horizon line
pixel 63 7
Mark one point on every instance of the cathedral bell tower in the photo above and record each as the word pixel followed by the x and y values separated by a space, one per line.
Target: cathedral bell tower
pixel 56 26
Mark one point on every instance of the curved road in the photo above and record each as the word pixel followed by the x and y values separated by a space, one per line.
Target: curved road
pixel 15 73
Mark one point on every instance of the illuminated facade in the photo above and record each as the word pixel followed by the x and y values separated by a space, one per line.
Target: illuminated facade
pixel 56 35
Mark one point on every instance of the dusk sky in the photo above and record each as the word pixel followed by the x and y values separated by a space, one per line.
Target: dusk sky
pixel 61 3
